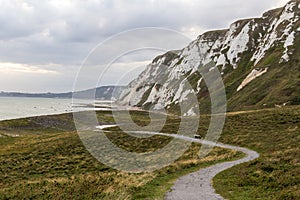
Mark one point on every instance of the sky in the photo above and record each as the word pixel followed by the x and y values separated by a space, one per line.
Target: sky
pixel 44 44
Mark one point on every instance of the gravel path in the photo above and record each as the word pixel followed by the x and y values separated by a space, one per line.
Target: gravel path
pixel 197 185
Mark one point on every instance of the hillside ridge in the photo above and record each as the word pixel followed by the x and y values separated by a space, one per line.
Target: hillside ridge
pixel 267 44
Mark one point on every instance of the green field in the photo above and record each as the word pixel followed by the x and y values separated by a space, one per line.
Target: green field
pixel 275 134
pixel 48 161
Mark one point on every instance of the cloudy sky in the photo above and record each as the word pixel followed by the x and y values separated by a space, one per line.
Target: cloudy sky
pixel 44 43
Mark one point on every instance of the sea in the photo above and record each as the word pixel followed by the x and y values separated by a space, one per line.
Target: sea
pixel 20 107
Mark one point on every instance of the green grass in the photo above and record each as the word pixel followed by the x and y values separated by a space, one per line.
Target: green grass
pixel 156 188
pixel 275 134
pixel 51 163
pixel 48 161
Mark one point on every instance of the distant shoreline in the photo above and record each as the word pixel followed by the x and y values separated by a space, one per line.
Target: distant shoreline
pixel 100 93
pixel 42 115
pixel 25 107
pixel 18 108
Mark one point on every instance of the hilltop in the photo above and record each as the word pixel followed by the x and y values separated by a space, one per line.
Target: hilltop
pixel 258 59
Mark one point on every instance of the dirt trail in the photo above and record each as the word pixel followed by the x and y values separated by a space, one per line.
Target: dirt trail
pixel 197 185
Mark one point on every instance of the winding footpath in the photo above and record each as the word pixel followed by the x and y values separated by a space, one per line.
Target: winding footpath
pixel 198 185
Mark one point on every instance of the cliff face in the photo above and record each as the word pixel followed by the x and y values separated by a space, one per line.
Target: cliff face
pixel 258 59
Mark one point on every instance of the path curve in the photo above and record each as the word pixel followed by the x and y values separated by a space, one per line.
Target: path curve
pixel 197 185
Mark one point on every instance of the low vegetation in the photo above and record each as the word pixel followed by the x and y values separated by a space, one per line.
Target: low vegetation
pixel 275 134
pixel 47 160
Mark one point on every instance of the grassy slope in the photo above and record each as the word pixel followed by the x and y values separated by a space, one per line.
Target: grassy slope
pixel 279 85
pixel 49 161
pixel 274 133
pixel 56 164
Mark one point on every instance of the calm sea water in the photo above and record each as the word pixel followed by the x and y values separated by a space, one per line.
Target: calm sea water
pixel 19 107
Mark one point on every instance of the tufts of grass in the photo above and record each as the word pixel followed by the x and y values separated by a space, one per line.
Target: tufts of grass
pixel 49 162
pixel 275 134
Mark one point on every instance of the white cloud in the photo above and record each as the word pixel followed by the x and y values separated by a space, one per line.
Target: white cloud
pixel 35 33
pixel 16 68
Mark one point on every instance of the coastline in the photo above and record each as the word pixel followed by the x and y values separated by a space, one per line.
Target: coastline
pixel 24 107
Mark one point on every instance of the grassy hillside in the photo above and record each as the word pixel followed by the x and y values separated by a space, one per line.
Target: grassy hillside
pixel 46 161
pixel 278 86
pixel 275 134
